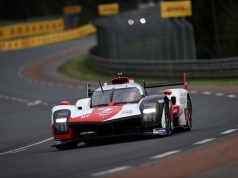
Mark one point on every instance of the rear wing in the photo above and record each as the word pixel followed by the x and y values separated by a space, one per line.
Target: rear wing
pixel 155 85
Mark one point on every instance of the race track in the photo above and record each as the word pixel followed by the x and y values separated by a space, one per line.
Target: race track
pixel 25 107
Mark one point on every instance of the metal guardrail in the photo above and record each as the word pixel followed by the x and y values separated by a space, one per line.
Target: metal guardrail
pixel 212 68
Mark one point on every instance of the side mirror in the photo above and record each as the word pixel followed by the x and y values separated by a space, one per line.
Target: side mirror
pixel 64 103
pixel 173 100
pixel 89 91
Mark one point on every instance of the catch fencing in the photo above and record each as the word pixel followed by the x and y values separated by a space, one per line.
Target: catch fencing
pixel 143 34
pixel 141 43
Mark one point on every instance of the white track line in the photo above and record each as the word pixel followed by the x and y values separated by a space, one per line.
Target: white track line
pixel 231 96
pixel 45 104
pixel 13 98
pixel 204 141
pixel 17 151
pixel 20 100
pixel 219 94
pixel 28 146
pixel 228 131
pixel 7 97
pixel 34 103
pixel 110 171
pixel 193 92
pixel 60 85
pixel 165 154
pixel 207 93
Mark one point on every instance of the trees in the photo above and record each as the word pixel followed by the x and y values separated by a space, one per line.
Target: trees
pixel 215 25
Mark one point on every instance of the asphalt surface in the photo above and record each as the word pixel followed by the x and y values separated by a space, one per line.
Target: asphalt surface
pixel 25 109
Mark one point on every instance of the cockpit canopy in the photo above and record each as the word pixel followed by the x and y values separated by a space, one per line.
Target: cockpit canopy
pixel 116 96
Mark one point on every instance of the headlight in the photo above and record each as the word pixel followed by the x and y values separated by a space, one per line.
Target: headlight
pixel 149 111
pixel 61 120
pixel 63 113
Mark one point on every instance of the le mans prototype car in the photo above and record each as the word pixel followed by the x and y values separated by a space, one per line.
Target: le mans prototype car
pixel 121 108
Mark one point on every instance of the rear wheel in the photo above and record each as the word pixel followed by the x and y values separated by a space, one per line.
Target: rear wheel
pixel 189 113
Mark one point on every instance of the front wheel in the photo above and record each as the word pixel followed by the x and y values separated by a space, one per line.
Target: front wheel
pixel 168 119
pixel 67 146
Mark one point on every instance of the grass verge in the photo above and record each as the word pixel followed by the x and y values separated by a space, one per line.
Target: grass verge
pixel 79 68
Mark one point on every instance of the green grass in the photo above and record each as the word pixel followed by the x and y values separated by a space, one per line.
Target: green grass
pixel 79 68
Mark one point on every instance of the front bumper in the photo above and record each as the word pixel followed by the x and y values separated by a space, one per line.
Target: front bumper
pixel 111 128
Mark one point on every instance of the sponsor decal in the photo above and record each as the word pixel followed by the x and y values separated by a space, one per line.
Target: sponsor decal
pixel 186 114
pixel 72 9
pixel 63 114
pixel 103 113
pixel 87 133
pixel 108 9
pixel 161 101
pixel 58 142
pixel 176 109
pixel 172 9
pixel 98 114
pixel 127 112
pixel 159 131
pixel 84 116
pixel 182 100
pixel 30 28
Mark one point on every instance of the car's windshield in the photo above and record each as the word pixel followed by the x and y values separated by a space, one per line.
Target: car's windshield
pixel 117 96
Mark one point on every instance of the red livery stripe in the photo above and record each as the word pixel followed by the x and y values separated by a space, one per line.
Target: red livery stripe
pixel 99 114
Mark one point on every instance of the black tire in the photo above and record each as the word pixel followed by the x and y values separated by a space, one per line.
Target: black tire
pixel 190 111
pixel 167 118
pixel 67 146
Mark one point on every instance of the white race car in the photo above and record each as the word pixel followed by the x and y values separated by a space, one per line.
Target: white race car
pixel 121 108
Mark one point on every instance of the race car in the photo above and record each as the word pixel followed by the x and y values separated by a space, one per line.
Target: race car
pixel 121 108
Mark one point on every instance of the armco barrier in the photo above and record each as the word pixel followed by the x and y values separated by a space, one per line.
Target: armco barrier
pixel 222 68
pixel 47 39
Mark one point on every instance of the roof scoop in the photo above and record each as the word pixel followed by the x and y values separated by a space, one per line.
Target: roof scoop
pixel 120 80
